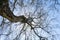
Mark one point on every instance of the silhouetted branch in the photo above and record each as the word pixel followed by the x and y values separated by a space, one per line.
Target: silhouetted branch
pixel 14 5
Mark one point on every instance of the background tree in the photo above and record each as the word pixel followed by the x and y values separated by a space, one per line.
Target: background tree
pixel 35 24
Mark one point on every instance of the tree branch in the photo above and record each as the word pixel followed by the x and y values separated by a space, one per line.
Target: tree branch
pixel 7 13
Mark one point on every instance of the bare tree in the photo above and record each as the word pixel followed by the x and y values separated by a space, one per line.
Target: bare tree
pixel 33 24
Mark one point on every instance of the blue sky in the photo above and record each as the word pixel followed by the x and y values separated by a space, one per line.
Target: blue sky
pixel 53 15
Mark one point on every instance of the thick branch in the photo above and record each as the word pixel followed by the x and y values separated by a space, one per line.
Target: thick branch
pixel 7 13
